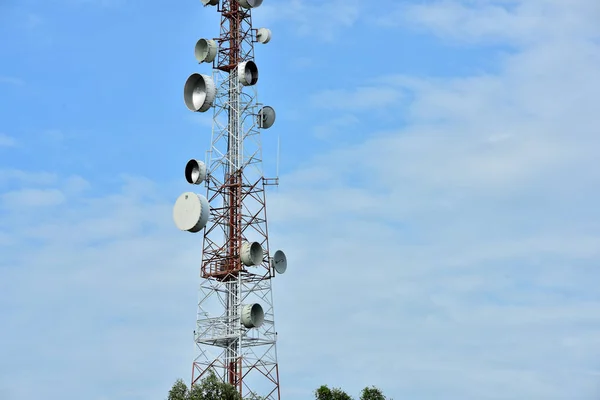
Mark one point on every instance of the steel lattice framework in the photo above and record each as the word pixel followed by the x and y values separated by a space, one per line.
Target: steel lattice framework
pixel 246 358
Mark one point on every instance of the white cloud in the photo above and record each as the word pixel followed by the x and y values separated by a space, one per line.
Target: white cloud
pixel 461 247
pixel 11 80
pixel 76 184
pixel 356 100
pixel 334 127
pixel 33 21
pixel 311 18
pixel 27 177
pixel 302 63
pixel 96 268
pixel 23 200
pixel 201 119
pixel 53 135
pixel 519 21
pixel 7 141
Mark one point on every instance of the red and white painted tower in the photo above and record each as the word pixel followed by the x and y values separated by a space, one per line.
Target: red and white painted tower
pixel 235 333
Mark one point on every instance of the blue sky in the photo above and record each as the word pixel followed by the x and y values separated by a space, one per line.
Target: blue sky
pixel 438 200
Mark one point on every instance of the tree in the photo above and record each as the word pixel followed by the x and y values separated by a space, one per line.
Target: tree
pixel 210 388
pixel 368 393
pixel 324 393
pixel 372 393
pixel 179 391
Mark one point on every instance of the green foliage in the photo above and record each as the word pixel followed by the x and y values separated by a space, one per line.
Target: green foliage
pixel 324 393
pixel 371 393
pixel 195 393
pixel 179 391
pixel 210 388
pixel 368 393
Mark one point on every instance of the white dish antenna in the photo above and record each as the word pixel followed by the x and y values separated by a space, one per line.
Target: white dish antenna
pixel 210 2
pixel 266 117
pixel 190 212
pixel 263 35
pixel 252 315
pixel 279 262
pixel 248 73
pixel 205 50
pixel 199 92
pixel 250 3
pixel 195 172
pixel 251 253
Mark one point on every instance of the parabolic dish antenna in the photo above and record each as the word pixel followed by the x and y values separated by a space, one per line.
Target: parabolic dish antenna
pixel 251 253
pixel 205 50
pixel 210 2
pixel 263 35
pixel 199 92
pixel 195 172
pixel 190 212
pixel 253 315
pixel 266 117
pixel 279 262
pixel 248 73
pixel 250 3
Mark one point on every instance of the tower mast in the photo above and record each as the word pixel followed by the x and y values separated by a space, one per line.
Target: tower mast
pixel 235 331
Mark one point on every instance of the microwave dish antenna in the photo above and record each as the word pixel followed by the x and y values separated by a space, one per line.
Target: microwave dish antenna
pixel 195 172
pixel 250 3
pixel 199 92
pixel 263 35
pixel 205 50
pixel 266 117
pixel 248 73
pixel 190 212
pixel 279 262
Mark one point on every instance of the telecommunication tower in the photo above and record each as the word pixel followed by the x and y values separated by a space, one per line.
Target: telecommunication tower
pixel 235 331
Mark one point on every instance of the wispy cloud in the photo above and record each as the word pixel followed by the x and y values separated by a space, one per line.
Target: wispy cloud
pixel 11 80
pixel 33 21
pixel 85 247
pixel 476 22
pixel 25 199
pixel 332 128
pixel 201 119
pixel 475 220
pixel 356 100
pixel 302 63
pixel 7 141
pixel 320 20
pixel 25 178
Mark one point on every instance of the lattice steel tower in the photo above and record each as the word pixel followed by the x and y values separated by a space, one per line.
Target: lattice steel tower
pixel 235 333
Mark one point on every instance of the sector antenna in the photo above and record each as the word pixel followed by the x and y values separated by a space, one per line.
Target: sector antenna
pixel 235 326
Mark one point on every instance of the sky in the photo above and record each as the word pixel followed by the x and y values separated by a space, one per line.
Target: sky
pixel 438 198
